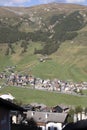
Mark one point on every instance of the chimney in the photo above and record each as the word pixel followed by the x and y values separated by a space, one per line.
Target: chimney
pixel 46 115
pixel 32 113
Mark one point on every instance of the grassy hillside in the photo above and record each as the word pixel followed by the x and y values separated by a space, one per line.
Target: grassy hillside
pixel 56 32
pixel 68 63
pixel 27 96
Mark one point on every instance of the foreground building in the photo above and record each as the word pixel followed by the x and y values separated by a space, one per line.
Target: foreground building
pixel 5 108
pixel 48 120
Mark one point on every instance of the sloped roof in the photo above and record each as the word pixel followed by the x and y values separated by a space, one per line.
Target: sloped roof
pixel 47 116
pixel 9 105
pixel 61 108
pixel 7 96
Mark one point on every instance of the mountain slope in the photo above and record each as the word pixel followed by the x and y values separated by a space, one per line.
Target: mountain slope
pixel 54 32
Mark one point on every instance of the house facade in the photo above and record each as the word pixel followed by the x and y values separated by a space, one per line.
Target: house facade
pixel 48 120
pixel 5 108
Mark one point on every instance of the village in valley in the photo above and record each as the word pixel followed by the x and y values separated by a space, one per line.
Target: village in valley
pixel 56 85
pixel 54 117
pixel 43 50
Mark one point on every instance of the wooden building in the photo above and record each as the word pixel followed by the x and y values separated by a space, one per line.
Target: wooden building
pixel 5 108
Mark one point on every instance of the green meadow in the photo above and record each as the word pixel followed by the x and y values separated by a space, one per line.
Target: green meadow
pixel 27 96
pixel 67 63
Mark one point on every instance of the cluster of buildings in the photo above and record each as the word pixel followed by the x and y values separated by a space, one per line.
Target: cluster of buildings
pixel 34 115
pixel 54 118
pixel 47 84
pixel 15 115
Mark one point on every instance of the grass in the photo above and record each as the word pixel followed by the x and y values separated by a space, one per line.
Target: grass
pixel 68 63
pixel 84 92
pixel 27 96
pixel 72 60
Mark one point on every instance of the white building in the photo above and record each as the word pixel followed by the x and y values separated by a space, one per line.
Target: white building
pixel 48 120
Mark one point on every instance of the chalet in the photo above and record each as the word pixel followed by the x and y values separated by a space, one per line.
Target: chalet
pixel 5 108
pixel 60 108
pixel 48 120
